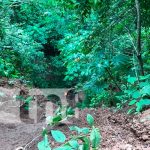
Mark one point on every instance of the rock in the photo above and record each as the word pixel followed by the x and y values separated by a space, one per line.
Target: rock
pixel 141 126
pixel 19 148
pixel 121 146
pixel 128 147
pixel 145 137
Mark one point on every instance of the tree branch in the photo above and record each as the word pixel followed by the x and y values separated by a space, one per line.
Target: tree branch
pixel 139 56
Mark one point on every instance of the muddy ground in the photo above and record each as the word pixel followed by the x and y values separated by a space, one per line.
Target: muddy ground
pixel 119 131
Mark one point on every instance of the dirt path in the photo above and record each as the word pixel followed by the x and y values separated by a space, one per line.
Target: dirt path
pixel 16 135
pixel 119 132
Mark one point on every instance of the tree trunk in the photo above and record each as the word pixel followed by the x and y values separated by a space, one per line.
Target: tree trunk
pixel 139 56
pixel 111 76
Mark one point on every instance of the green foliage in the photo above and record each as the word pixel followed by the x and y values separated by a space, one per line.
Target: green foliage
pixel 25 28
pixel 23 55
pixel 58 136
pixel 138 93
pixel 90 138
pixel 96 43
pixel 9 61
pixel 95 137
pixel 44 145
pixel 79 130
pixel 25 101
pixel 104 98
pixel 90 120
pixel 100 55
pixel 61 113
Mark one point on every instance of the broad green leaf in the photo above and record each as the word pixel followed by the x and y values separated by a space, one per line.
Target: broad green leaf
pixel 86 143
pixel 85 130
pixel 136 95
pixel 143 84
pixel 70 111
pixel 145 77
pixel 132 102
pixel 142 103
pixel 75 128
pixel 90 119
pixel 74 144
pixel 129 92
pixel 132 79
pixel 58 136
pixel 44 144
pixel 139 107
pixel 29 99
pixel 44 132
pixel 57 118
pixel 145 102
pixel 146 90
pixel 95 137
pixel 65 147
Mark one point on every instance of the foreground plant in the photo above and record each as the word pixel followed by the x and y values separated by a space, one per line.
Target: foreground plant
pixel 85 139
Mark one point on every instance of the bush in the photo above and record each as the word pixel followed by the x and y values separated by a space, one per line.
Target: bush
pixel 85 139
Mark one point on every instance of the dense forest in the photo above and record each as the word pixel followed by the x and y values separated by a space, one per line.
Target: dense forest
pixel 101 47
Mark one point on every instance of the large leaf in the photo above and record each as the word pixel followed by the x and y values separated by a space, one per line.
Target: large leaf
pixel 58 136
pixel 145 102
pixel 74 144
pixel 44 144
pixel 57 118
pixel 95 137
pixel 132 102
pixel 141 104
pixel 86 143
pixel 90 119
pixel 146 90
pixel 132 79
pixel 136 95
pixel 29 99
pixel 139 107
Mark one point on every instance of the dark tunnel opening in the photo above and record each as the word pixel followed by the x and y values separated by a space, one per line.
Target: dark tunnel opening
pixel 50 50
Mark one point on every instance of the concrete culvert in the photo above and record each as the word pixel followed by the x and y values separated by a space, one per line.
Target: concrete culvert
pixel 54 99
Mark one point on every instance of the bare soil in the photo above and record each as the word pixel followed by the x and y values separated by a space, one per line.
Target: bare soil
pixel 119 131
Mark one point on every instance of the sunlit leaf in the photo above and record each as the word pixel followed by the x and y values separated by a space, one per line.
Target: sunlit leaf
pixel 95 138
pixel 44 144
pixel 90 119
pixel 58 136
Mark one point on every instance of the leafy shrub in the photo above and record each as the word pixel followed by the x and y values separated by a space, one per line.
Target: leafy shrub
pixel 85 139
pixel 60 114
pixel 9 61
pixel 135 94
pixel 25 102
pixel 101 99
pixel 139 93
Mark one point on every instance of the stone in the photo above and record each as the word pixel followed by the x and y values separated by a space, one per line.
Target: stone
pixel 145 137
